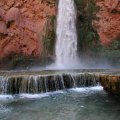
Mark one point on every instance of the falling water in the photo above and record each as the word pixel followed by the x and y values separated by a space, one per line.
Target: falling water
pixel 45 83
pixel 66 44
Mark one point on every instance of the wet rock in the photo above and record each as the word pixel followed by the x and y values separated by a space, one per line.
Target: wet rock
pixel 111 83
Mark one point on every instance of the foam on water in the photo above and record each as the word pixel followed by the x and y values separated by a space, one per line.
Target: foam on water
pixel 87 89
pixel 42 95
pixel 6 97
pixel 79 90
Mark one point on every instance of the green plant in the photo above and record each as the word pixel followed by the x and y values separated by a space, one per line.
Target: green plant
pixel 49 37
pixel 88 39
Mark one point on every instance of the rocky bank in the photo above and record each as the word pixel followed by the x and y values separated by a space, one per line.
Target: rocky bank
pixel 111 83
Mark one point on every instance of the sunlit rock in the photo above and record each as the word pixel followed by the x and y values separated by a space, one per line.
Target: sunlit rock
pixel 26 24
pixel 3 28
pixel 108 25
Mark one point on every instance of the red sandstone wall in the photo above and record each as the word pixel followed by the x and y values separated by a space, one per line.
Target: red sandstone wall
pixel 21 26
pixel 108 26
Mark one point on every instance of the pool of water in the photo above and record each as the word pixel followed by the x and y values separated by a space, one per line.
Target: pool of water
pixel 74 104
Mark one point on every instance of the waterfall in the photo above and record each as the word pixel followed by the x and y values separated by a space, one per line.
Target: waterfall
pixel 66 43
pixel 45 83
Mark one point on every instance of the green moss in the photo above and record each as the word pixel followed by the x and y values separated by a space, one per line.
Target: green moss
pixel 49 37
pixel 87 35
pixel 88 39
pixel 111 52
pixel 19 60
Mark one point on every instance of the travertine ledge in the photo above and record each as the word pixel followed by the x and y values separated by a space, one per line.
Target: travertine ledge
pixel 15 82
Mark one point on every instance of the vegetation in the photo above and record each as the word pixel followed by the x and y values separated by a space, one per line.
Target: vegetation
pixel 49 38
pixel 14 60
pixel 88 39
pixel 112 52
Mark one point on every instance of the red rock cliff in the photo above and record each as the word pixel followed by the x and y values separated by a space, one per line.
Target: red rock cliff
pixel 108 26
pixel 22 24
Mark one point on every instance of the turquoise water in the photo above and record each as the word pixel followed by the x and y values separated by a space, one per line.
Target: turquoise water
pixel 74 104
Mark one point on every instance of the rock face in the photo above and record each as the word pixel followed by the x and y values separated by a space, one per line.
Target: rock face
pixel 108 25
pixel 111 83
pixel 22 25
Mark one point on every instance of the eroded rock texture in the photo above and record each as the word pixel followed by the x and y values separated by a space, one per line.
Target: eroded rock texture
pixel 22 24
pixel 108 25
pixel 111 83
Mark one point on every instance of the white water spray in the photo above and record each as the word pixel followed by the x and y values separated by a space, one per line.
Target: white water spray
pixel 66 44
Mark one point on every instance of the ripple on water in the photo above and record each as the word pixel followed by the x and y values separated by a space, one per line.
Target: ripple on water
pixel 73 104
pixel 4 109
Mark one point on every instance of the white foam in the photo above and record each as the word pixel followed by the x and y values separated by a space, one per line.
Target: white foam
pixel 33 95
pixel 41 95
pixel 85 89
pixel 6 97
pixel 47 94
pixel 97 88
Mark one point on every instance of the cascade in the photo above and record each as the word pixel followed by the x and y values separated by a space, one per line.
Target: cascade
pixel 66 43
pixel 45 83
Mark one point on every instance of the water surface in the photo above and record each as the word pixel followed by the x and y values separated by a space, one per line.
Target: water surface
pixel 74 104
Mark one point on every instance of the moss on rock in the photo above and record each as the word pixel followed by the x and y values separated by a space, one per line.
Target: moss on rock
pixel 87 35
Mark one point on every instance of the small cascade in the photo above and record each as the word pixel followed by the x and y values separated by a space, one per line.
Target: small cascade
pixel 33 84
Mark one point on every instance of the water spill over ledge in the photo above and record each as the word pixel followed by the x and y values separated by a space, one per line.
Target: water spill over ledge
pixel 49 95
pixel 45 83
pixel 36 83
